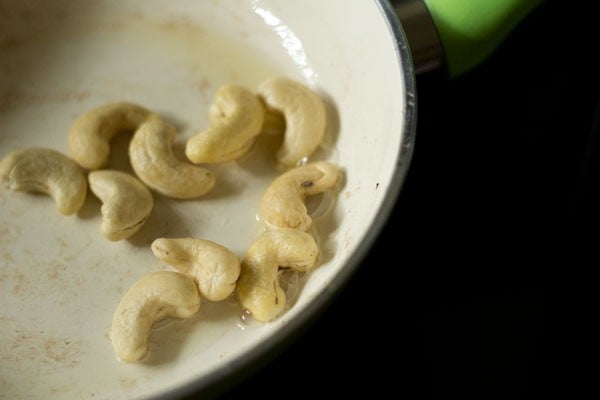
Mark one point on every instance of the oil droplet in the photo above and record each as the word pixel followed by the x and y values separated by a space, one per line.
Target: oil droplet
pixel 291 282
pixel 320 204
pixel 244 319
pixel 302 161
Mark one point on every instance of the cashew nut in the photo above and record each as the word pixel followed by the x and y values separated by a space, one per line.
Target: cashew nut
pixel 91 133
pixel 156 296
pixel 214 267
pixel 258 287
pixel 46 171
pixel 127 202
pixel 155 164
pixel 237 117
pixel 305 117
pixel 282 204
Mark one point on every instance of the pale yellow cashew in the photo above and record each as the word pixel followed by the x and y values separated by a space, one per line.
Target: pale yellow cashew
pixel 258 288
pixel 214 267
pixel 153 161
pixel 91 133
pixel 237 117
pixel 47 171
pixel 156 296
pixel 126 202
pixel 282 204
pixel 304 113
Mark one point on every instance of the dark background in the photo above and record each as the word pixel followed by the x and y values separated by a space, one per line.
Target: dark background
pixel 480 283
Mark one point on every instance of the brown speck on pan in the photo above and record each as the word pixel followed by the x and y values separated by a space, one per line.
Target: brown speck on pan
pixel 62 243
pixel 53 273
pixel 28 347
pixel 20 281
pixel 128 383
pixel 62 351
pixel 205 89
pixel 377 186
pixel 81 97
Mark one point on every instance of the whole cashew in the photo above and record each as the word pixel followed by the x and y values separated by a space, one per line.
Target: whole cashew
pixel 127 202
pixel 156 296
pixel 214 267
pixel 237 117
pixel 258 287
pixel 46 171
pixel 91 133
pixel 282 204
pixel 155 164
pixel 304 113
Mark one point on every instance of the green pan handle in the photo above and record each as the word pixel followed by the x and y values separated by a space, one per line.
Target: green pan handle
pixel 468 30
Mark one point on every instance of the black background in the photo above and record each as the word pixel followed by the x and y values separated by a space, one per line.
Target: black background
pixel 479 280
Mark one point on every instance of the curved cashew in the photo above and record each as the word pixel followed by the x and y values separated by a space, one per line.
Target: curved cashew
pixel 282 204
pixel 258 287
pixel 46 171
pixel 156 296
pixel 127 202
pixel 236 119
pixel 90 134
pixel 214 267
pixel 304 113
pixel 155 164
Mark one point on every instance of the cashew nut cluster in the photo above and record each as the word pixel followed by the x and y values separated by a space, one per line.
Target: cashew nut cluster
pixel 258 287
pixel 304 113
pixel 282 205
pixel 214 267
pixel 127 202
pixel 236 117
pixel 47 171
pixel 204 268
pixel 153 161
pixel 156 296
pixel 91 133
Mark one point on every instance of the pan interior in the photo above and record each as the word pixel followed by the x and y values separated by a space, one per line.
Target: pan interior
pixel 60 280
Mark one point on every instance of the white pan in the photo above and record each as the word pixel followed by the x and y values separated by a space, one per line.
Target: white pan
pixel 60 280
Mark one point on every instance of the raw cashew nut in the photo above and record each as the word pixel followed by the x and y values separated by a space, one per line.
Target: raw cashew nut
pixel 258 287
pixel 127 202
pixel 305 117
pixel 156 296
pixel 155 164
pixel 237 117
pixel 91 133
pixel 214 267
pixel 282 204
pixel 46 171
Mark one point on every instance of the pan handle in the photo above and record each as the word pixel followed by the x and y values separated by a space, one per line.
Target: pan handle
pixel 458 34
